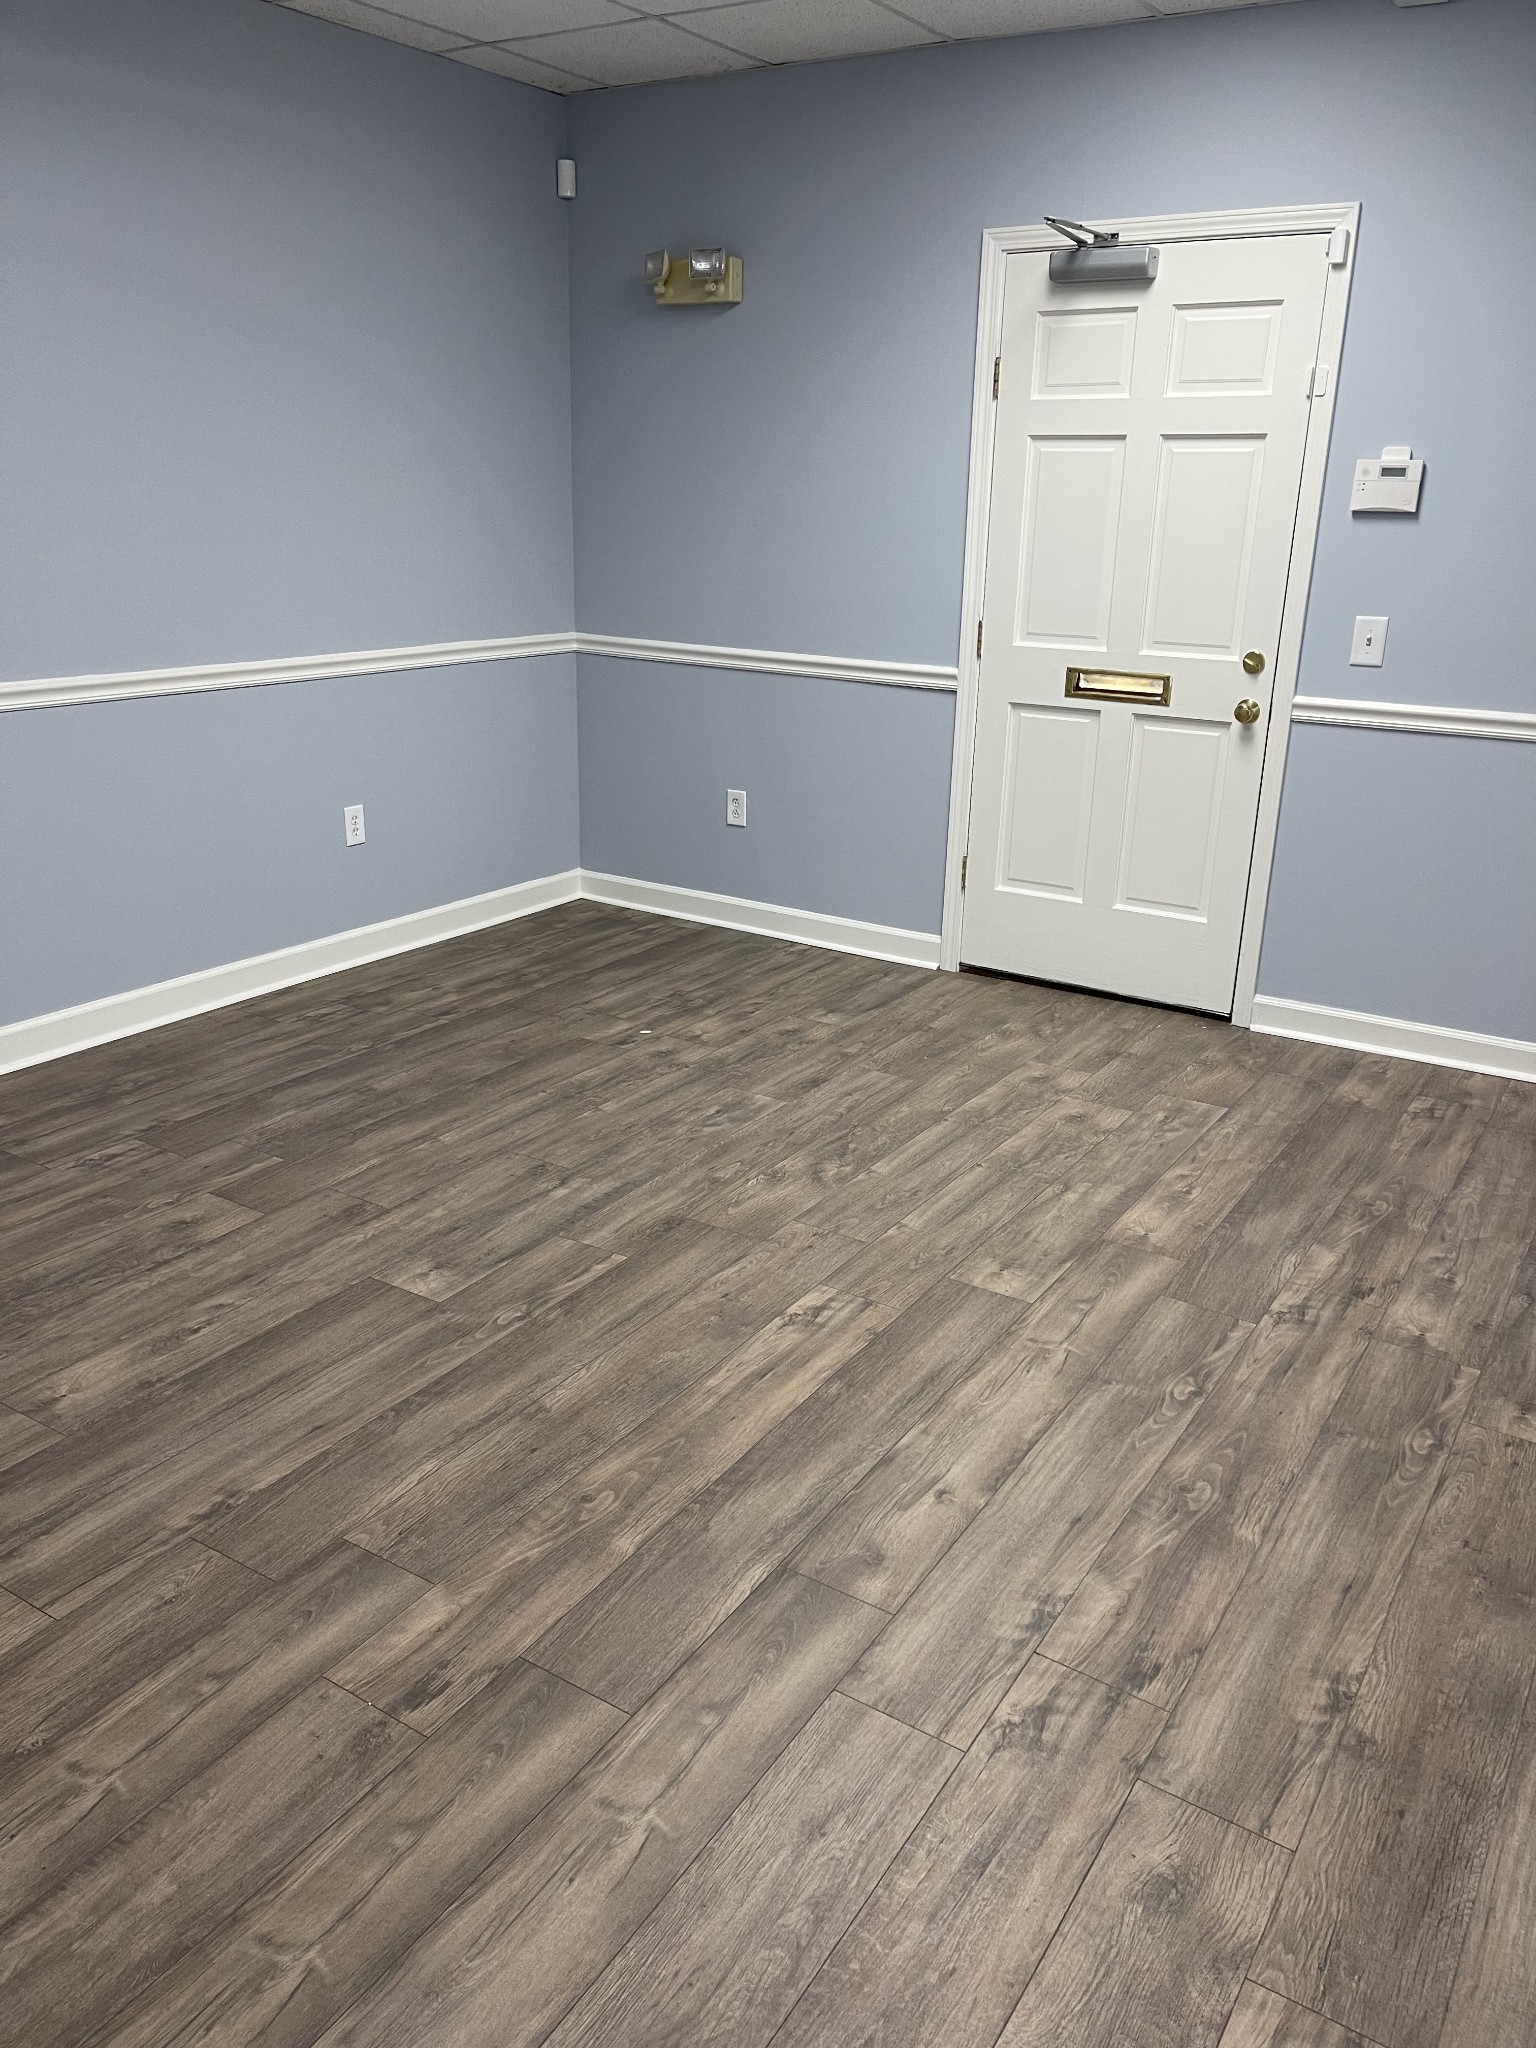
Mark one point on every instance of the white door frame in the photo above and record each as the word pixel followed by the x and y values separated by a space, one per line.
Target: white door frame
pixel 997 245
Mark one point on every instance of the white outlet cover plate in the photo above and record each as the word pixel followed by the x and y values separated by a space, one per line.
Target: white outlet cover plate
pixel 736 807
pixel 1368 648
pixel 352 824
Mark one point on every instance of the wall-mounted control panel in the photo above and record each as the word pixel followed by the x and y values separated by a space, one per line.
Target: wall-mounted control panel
pixel 1391 484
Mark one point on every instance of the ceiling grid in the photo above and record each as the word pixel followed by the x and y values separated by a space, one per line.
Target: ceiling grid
pixel 577 45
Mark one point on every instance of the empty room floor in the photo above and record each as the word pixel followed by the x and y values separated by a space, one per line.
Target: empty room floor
pixel 617 1483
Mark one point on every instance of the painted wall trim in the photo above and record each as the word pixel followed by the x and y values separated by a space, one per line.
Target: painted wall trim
pixel 836 668
pixel 769 920
pixel 1449 719
pixel 1515 1058
pixel 1218 224
pixel 237 675
pixel 33 1039
pixel 38 692
pixel 31 694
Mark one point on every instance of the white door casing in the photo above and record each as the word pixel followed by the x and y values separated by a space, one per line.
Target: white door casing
pixel 1145 478
pixel 1144 500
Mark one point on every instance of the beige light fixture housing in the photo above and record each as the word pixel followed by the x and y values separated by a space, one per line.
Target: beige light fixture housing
pixel 704 277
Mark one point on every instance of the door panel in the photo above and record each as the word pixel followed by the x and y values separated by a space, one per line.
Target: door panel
pixel 1085 353
pixel 1145 479
pixel 1173 803
pixel 1052 755
pixel 1222 351
pixel 1202 543
pixel 1071 524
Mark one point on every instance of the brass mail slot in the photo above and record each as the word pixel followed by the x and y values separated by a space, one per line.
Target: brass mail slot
pixel 1110 684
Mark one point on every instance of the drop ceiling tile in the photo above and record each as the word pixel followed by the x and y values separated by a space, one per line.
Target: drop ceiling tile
pixel 1206 6
pixel 376 21
pixel 514 64
pixel 1024 17
pixel 634 53
pixel 570 45
pixel 799 31
pixel 504 21
pixel 683 8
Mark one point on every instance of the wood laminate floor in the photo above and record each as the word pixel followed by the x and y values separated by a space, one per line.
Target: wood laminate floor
pixel 617 1484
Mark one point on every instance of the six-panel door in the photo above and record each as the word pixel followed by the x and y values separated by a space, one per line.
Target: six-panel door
pixel 1145 480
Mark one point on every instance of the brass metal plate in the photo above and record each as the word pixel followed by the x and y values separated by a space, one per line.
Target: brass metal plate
pixel 677 288
pixel 1117 687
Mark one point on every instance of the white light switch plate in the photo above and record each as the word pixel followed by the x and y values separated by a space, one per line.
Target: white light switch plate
pixel 1369 646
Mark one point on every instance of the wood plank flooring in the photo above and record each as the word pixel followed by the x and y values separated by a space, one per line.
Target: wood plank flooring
pixel 616 1483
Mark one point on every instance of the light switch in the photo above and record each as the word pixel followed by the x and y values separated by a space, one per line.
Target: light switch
pixel 1369 646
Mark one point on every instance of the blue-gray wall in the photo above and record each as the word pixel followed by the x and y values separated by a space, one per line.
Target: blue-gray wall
pixel 792 474
pixel 287 354
pixel 148 838
pixel 292 368
pixel 1406 883
pixel 286 372
pixel 825 766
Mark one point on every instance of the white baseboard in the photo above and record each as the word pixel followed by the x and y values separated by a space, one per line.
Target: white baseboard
pixel 770 920
pixel 1514 1058
pixel 212 988
pixel 34 1039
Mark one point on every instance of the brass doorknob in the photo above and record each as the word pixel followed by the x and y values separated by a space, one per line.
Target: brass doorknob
pixel 1247 712
pixel 1253 663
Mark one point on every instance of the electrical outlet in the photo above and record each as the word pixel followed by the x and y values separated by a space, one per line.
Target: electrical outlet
pixel 736 807
pixel 352 821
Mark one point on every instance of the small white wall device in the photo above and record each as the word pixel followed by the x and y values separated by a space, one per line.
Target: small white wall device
pixel 565 177
pixel 1390 485
pixel 1368 647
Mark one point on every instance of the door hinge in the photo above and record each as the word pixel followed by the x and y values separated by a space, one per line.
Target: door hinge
pixel 965 862
pixel 997 374
pixel 979 624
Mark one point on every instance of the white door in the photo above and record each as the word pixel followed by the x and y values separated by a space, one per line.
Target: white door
pixel 1145 480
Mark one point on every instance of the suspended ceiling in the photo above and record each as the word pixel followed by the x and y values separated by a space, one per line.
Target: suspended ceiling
pixel 575 45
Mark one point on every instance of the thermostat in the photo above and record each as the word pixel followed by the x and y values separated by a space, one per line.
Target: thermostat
pixel 1389 485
